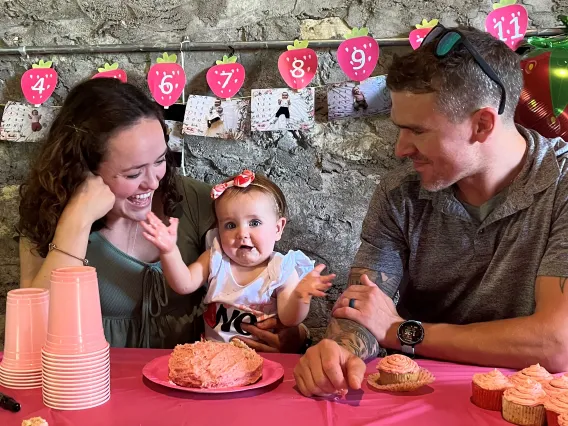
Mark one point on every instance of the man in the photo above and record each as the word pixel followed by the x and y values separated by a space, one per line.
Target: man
pixel 474 233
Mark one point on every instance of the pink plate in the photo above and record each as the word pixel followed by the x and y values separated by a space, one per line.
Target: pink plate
pixel 157 372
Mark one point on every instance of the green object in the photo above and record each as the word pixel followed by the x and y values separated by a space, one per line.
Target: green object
pixel 42 64
pixel 108 67
pixel 299 44
pixel 447 43
pixel 563 19
pixel 356 32
pixel 227 60
pixel 427 24
pixel 167 59
pixel 558 75
pixel 504 3
pixel 549 42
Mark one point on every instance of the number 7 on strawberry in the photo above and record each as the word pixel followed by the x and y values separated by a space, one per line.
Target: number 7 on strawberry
pixel 39 83
pixel 226 78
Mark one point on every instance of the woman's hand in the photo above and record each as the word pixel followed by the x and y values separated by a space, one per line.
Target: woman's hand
pixel 281 339
pixel 162 236
pixel 92 200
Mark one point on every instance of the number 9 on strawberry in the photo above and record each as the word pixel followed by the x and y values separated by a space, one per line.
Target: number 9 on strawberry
pixel 358 54
pixel 166 80
pixel 39 83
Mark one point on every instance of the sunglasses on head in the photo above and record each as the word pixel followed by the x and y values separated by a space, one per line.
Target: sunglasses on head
pixel 449 39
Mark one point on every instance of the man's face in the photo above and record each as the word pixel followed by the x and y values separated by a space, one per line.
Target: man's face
pixel 442 151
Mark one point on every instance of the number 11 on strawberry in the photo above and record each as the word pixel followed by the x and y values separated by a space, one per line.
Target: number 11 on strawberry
pixel 39 83
pixel 166 80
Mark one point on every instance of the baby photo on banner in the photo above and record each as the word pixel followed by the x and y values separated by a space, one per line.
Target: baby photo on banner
pixel 282 109
pixel 25 122
pixel 215 118
pixel 175 129
pixel 352 100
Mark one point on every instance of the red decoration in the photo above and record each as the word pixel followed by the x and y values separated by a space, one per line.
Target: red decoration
pixel 226 78
pixel 39 83
pixel 416 37
pixel 166 80
pixel 111 71
pixel 298 65
pixel 508 22
pixel 358 54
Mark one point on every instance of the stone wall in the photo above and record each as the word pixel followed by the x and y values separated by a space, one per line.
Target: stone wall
pixel 327 175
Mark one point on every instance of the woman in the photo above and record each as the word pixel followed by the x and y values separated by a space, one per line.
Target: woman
pixel 104 166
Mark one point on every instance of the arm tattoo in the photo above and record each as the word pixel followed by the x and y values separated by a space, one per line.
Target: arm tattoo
pixel 353 337
pixel 563 283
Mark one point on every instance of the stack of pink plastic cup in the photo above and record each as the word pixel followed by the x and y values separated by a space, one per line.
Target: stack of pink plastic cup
pixel 26 328
pixel 75 358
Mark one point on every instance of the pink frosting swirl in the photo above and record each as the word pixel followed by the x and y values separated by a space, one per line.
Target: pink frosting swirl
pixel 535 372
pixel 557 403
pixel 493 380
pixel 398 364
pixel 528 392
pixel 556 385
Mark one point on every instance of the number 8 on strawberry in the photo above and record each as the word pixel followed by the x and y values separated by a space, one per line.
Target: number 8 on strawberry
pixel 166 80
pixel 298 65
pixel 39 83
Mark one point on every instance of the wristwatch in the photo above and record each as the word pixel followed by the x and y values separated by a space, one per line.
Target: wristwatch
pixel 410 333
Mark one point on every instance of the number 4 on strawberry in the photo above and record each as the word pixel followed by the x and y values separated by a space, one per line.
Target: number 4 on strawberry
pixel 358 54
pixel 39 83
pixel 226 78
pixel 298 65
pixel 166 80
pixel 508 22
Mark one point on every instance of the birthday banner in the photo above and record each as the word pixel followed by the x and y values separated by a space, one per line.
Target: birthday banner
pixel 230 116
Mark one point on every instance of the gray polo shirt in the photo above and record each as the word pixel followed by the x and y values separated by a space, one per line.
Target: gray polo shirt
pixel 457 269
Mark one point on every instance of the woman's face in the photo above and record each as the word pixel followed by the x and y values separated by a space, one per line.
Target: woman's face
pixel 133 167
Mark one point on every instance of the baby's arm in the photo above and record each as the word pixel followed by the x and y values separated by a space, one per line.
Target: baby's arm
pixel 294 298
pixel 181 278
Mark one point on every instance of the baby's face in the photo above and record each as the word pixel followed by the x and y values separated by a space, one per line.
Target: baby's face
pixel 34 112
pixel 248 227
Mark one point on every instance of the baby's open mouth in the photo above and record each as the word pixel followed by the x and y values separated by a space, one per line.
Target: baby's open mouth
pixel 245 247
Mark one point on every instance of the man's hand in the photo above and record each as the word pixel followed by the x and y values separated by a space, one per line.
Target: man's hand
pixel 370 307
pixel 327 368
pixel 274 337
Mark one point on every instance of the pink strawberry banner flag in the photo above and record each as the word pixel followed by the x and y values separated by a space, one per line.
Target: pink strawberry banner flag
pixel 508 22
pixel 111 71
pixel 416 37
pixel 166 80
pixel 39 82
pixel 298 65
pixel 358 54
pixel 226 78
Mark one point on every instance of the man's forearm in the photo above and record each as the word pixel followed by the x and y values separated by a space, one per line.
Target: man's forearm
pixel 511 343
pixel 353 337
pixel 349 334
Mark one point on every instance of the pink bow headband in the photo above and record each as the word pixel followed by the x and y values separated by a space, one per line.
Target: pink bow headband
pixel 242 181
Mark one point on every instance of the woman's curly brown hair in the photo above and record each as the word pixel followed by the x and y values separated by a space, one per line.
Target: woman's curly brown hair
pixel 76 144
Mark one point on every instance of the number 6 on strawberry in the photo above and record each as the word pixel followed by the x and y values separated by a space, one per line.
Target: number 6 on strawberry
pixel 39 83
pixel 166 80
pixel 226 78
pixel 298 65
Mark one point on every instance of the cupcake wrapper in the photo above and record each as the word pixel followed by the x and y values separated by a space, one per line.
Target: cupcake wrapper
pixel 486 399
pixel 397 378
pixel 551 418
pixel 424 378
pixel 523 415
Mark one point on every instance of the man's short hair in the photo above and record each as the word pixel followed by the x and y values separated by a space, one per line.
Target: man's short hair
pixel 460 83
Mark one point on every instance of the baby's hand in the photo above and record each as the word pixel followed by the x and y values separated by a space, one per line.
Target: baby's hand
pixel 314 284
pixel 162 236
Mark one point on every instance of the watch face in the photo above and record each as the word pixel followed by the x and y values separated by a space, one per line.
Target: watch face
pixel 411 332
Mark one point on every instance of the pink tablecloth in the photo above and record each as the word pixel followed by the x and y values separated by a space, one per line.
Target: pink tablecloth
pixel 136 401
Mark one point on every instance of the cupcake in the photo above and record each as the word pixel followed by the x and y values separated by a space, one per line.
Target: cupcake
pixel 563 419
pixel 396 369
pixel 523 404
pixel 556 386
pixel 487 389
pixel 534 372
pixel 555 406
pixel 34 421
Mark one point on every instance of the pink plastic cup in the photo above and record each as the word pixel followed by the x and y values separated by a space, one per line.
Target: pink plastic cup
pixel 77 271
pixel 26 328
pixel 75 320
